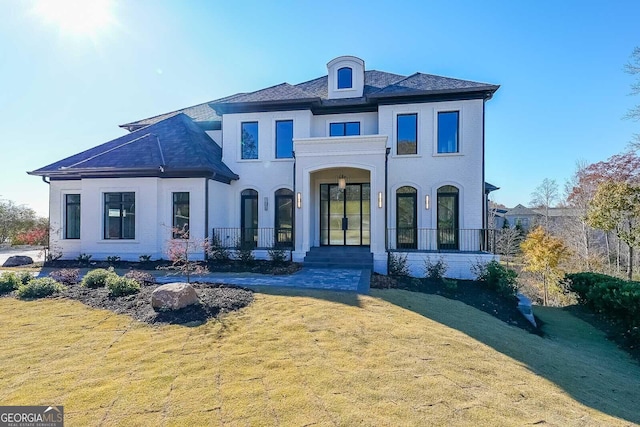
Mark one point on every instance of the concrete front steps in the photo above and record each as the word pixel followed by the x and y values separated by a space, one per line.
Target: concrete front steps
pixel 356 257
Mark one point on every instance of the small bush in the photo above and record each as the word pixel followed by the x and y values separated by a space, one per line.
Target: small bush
pixel 244 253
pixel 450 284
pixel 25 277
pixel 398 265
pixel 39 288
pixel 9 282
pixel 277 256
pixel 66 276
pixel 435 270
pixel 497 277
pixel 84 258
pixel 119 286
pixel 142 277
pixel 97 278
pixel 113 258
pixel 144 258
pixel 217 251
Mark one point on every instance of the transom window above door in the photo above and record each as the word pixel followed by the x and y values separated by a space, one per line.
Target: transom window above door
pixel 344 129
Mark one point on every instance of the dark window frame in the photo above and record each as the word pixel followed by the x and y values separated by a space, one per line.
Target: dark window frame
pixel 412 231
pixel 281 238
pixel 339 79
pixel 457 140
pixel 277 140
pixel 344 128
pixel 448 237
pixel 121 207
pixel 414 143
pixel 177 232
pixel 67 205
pixel 249 195
pixel 243 148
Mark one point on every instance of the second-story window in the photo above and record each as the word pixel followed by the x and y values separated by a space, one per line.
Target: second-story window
pixel 344 129
pixel 249 140
pixel 345 78
pixel 284 139
pixel 448 132
pixel 407 134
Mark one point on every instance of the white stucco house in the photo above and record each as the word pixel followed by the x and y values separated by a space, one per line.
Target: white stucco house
pixel 362 159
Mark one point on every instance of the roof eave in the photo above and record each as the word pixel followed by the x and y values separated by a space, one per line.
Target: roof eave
pixel 240 107
pixel 86 173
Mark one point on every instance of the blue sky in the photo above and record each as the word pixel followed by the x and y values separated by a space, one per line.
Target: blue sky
pixel 559 63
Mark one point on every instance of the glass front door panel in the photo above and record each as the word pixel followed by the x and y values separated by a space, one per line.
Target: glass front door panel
pixel 345 214
pixel 447 221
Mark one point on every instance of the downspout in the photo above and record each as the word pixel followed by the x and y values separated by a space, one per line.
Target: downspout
pixel 295 210
pixel 44 179
pixel 485 195
pixel 386 204
pixel 206 218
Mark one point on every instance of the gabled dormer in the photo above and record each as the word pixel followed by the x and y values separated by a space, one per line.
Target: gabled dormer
pixel 346 77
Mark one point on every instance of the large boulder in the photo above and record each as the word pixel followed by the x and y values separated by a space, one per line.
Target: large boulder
pixel 17 260
pixel 173 296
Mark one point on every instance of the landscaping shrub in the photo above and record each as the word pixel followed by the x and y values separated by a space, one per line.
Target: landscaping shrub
pixel 497 277
pixel 614 298
pixel 84 258
pixel 97 278
pixel 398 265
pixel 244 253
pixel 39 288
pixel 113 258
pixel 25 277
pixel 119 286
pixel 66 276
pixel 277 255
pixel 144 258
pixel 435 270
pixel 142 277
pixel 450 284
pixel 217 251
pixel 9 282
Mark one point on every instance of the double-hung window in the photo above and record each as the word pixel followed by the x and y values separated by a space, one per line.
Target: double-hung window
pixel 407 134
pixel 344 129
pixel 119 215
pixel 249 140
pixel 284 139
pixel 448 134
pixel 71 216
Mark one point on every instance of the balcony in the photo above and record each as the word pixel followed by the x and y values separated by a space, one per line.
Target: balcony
pixel 441 240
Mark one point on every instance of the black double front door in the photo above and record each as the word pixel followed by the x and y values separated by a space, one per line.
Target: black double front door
pixel 345 214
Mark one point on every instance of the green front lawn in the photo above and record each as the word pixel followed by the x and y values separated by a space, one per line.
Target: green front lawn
pixel 298 357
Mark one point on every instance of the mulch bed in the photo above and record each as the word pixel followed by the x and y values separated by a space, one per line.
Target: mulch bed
pixel 469 292
pixel 231 266
pixel 215 299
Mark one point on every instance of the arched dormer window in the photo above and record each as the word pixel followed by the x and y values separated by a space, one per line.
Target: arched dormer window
pixel 345 78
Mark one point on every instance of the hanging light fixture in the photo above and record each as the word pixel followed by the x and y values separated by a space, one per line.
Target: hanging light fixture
pixel 342 182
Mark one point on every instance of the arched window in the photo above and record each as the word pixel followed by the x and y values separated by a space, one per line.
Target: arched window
pixel 406 218
pixel 448 215
pixel 284 217
pixel 345 78
pixel 249 218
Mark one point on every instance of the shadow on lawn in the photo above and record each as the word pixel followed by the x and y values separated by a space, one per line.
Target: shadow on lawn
pixel 573 355
pixel 342 297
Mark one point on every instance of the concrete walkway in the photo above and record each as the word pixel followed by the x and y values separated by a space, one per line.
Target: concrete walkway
pixel 334 279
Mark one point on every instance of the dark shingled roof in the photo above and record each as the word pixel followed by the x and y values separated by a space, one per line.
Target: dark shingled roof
pixel 173 147
pixel 420 84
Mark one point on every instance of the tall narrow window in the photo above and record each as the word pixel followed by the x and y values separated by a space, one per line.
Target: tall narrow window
pixel 72 216
pixel 406 218
pixel 407 134
pixel 181 215
pixel 249 140
pixel 345 78
pixel 119 216
pixel 284 139
pixel 249 218
pixel 448 125
pixel 344 129
pixel 448 217
pixel 284 218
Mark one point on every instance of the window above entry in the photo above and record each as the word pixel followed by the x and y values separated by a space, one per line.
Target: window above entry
pixel 344 129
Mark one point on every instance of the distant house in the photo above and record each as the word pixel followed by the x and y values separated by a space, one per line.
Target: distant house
pixel 355 158
pixel 528 218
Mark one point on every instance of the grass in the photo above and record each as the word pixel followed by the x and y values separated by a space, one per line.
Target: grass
pixel 315 358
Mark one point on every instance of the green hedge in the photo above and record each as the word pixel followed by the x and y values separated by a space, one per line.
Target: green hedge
pixel 39 288
pixel 9 282
pixel 615 298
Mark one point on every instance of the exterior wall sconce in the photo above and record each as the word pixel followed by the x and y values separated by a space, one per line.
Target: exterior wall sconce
pixel 299 200
pixel 266 203
pixel 426 202
pixel 379 199
pixel 342 182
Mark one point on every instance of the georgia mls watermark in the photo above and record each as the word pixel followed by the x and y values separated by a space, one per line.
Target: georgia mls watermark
pixel 31 416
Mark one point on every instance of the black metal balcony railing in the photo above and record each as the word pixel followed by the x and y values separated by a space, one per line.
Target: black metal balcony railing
pixel 430 239
pixel 259 238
